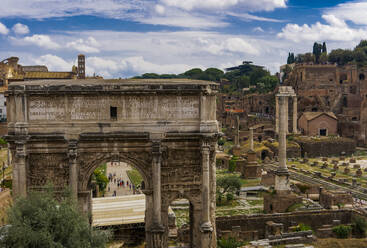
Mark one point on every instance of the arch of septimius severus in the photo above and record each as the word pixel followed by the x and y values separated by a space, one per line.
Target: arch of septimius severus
pixel 61 131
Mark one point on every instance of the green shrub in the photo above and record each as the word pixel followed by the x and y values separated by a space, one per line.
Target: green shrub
pixel 359 227
pixel 229 197
pixel 302 227
pixel 229 243
pixel 39 220
pixel 232 165
pixel 8 184
pixel 3 142
pixel 342 231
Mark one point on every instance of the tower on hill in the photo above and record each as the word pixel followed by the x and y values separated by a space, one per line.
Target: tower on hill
pixel 81 66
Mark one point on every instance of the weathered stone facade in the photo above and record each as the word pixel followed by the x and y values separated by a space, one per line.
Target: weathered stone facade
pixel 61 131
pixel 339 89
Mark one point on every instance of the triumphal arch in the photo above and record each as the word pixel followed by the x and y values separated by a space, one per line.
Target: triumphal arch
pixel 61 131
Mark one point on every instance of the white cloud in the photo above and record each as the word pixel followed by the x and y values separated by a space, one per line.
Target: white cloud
pixel 160 9
pixel 249 17
pixel 258 5
pixel 335 30
pixel 55 8
pixel 135 65
pixel 89 45
pixel 185 20
pixel 197 14
pixel 352 11
pixel 229 46
pixel 258 29
pixel 126 54
pixel 20 28
pixel 3 29
pixel 43 41
pixel 54 63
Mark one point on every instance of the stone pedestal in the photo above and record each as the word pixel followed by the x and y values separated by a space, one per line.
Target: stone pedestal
pixel 236 151
pixel 251 169
pixel 282 182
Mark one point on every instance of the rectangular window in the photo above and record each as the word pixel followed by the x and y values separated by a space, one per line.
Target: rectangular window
pixel 323 132
pixel 113 113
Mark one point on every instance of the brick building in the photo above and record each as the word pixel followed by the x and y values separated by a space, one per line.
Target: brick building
pixel 318 123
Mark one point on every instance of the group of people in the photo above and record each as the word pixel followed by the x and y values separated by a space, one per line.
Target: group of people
pixel 119 182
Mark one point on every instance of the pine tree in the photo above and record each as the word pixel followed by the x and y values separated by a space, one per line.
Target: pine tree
pixel 324 50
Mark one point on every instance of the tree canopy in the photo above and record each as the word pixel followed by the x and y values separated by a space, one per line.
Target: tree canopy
pixel 42 221
pixel 339 56
pixel 241 76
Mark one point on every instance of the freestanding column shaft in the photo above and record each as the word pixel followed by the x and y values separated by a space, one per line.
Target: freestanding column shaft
pixel 237 141
pixel 206 226
pixel 251 139
pixel 277 114
pixel 295 115
pixel 286 109
pixel 283 133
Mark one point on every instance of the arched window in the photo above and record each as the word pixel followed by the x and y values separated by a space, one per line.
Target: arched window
pixel 361 76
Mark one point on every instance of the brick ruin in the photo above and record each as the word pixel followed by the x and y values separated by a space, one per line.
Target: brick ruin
pixel 331 88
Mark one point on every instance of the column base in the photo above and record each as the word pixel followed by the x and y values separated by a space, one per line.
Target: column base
pixel 157 231
pixel 282 184
pixel 206 230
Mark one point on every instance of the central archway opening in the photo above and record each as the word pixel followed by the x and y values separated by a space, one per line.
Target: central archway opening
pixel 118 203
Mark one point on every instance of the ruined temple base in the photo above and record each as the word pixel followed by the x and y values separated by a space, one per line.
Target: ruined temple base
pixel 251 171
pixel 236 150
pixel 280 202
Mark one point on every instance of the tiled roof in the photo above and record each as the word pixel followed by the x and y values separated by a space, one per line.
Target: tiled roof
pixel 48 75
pixel 312 115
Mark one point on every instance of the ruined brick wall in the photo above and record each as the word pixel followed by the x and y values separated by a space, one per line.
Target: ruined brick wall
pixel 315 219
pixel 330 199
pixel 326 147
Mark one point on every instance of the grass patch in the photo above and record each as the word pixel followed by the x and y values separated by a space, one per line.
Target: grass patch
pixel 135 177
pixel 255 202
pixel 340 243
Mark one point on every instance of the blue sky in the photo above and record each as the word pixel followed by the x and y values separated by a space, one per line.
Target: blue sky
pixel 124 38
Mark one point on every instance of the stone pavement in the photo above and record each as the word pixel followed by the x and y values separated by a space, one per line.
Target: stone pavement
pixel 119 172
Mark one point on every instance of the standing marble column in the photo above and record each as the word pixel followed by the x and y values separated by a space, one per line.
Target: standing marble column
pixel 295 115
pixel 282 174
pixel 286 108
pixel 73 168
pixel 251 139
pixel 237 140
pixel 282 148
pixel 276 114
pixel 206 226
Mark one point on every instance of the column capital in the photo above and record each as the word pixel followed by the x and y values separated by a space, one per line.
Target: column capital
pixel 73 149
